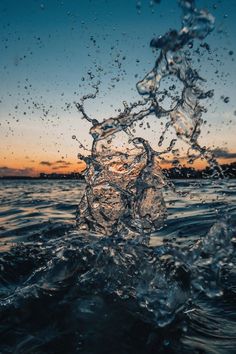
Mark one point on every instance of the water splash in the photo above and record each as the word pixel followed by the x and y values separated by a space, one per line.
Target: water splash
pixel 156 284
pixel 124 193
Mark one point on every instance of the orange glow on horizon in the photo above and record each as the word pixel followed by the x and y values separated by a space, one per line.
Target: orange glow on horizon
pixel 27 167
pixel 18 167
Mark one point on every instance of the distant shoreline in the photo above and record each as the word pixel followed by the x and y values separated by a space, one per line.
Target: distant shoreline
pixel 226 170
pixel 40 178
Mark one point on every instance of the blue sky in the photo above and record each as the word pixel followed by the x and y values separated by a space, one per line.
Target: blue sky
pixel 51 49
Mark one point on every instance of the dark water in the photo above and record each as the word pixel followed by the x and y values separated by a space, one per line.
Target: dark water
pixel 63 291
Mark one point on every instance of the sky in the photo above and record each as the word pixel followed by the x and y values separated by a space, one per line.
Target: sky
pixel 54 51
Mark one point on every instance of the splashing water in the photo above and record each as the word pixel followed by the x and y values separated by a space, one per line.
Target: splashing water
pixel 125 184
pixel 124 193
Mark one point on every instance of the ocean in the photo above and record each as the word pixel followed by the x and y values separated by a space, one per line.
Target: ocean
pixel 64 290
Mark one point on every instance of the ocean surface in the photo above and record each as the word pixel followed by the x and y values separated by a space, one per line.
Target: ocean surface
pixel 64 291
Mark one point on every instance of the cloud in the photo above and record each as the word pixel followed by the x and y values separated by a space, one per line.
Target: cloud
pixel 170 160
pixel 224 153
pixel 59 167
pixel 7 171
pixel 45 163
pixel 62 163
pixel 218 152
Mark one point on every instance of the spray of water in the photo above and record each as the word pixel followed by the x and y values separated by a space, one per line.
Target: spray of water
pixel 124 194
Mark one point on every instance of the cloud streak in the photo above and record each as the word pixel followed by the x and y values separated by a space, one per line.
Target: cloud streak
pixel 8 171
pixel 224 153
pixel 57 164
pixel 45 163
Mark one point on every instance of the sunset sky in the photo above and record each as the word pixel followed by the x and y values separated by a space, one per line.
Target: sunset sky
pixel 53 52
